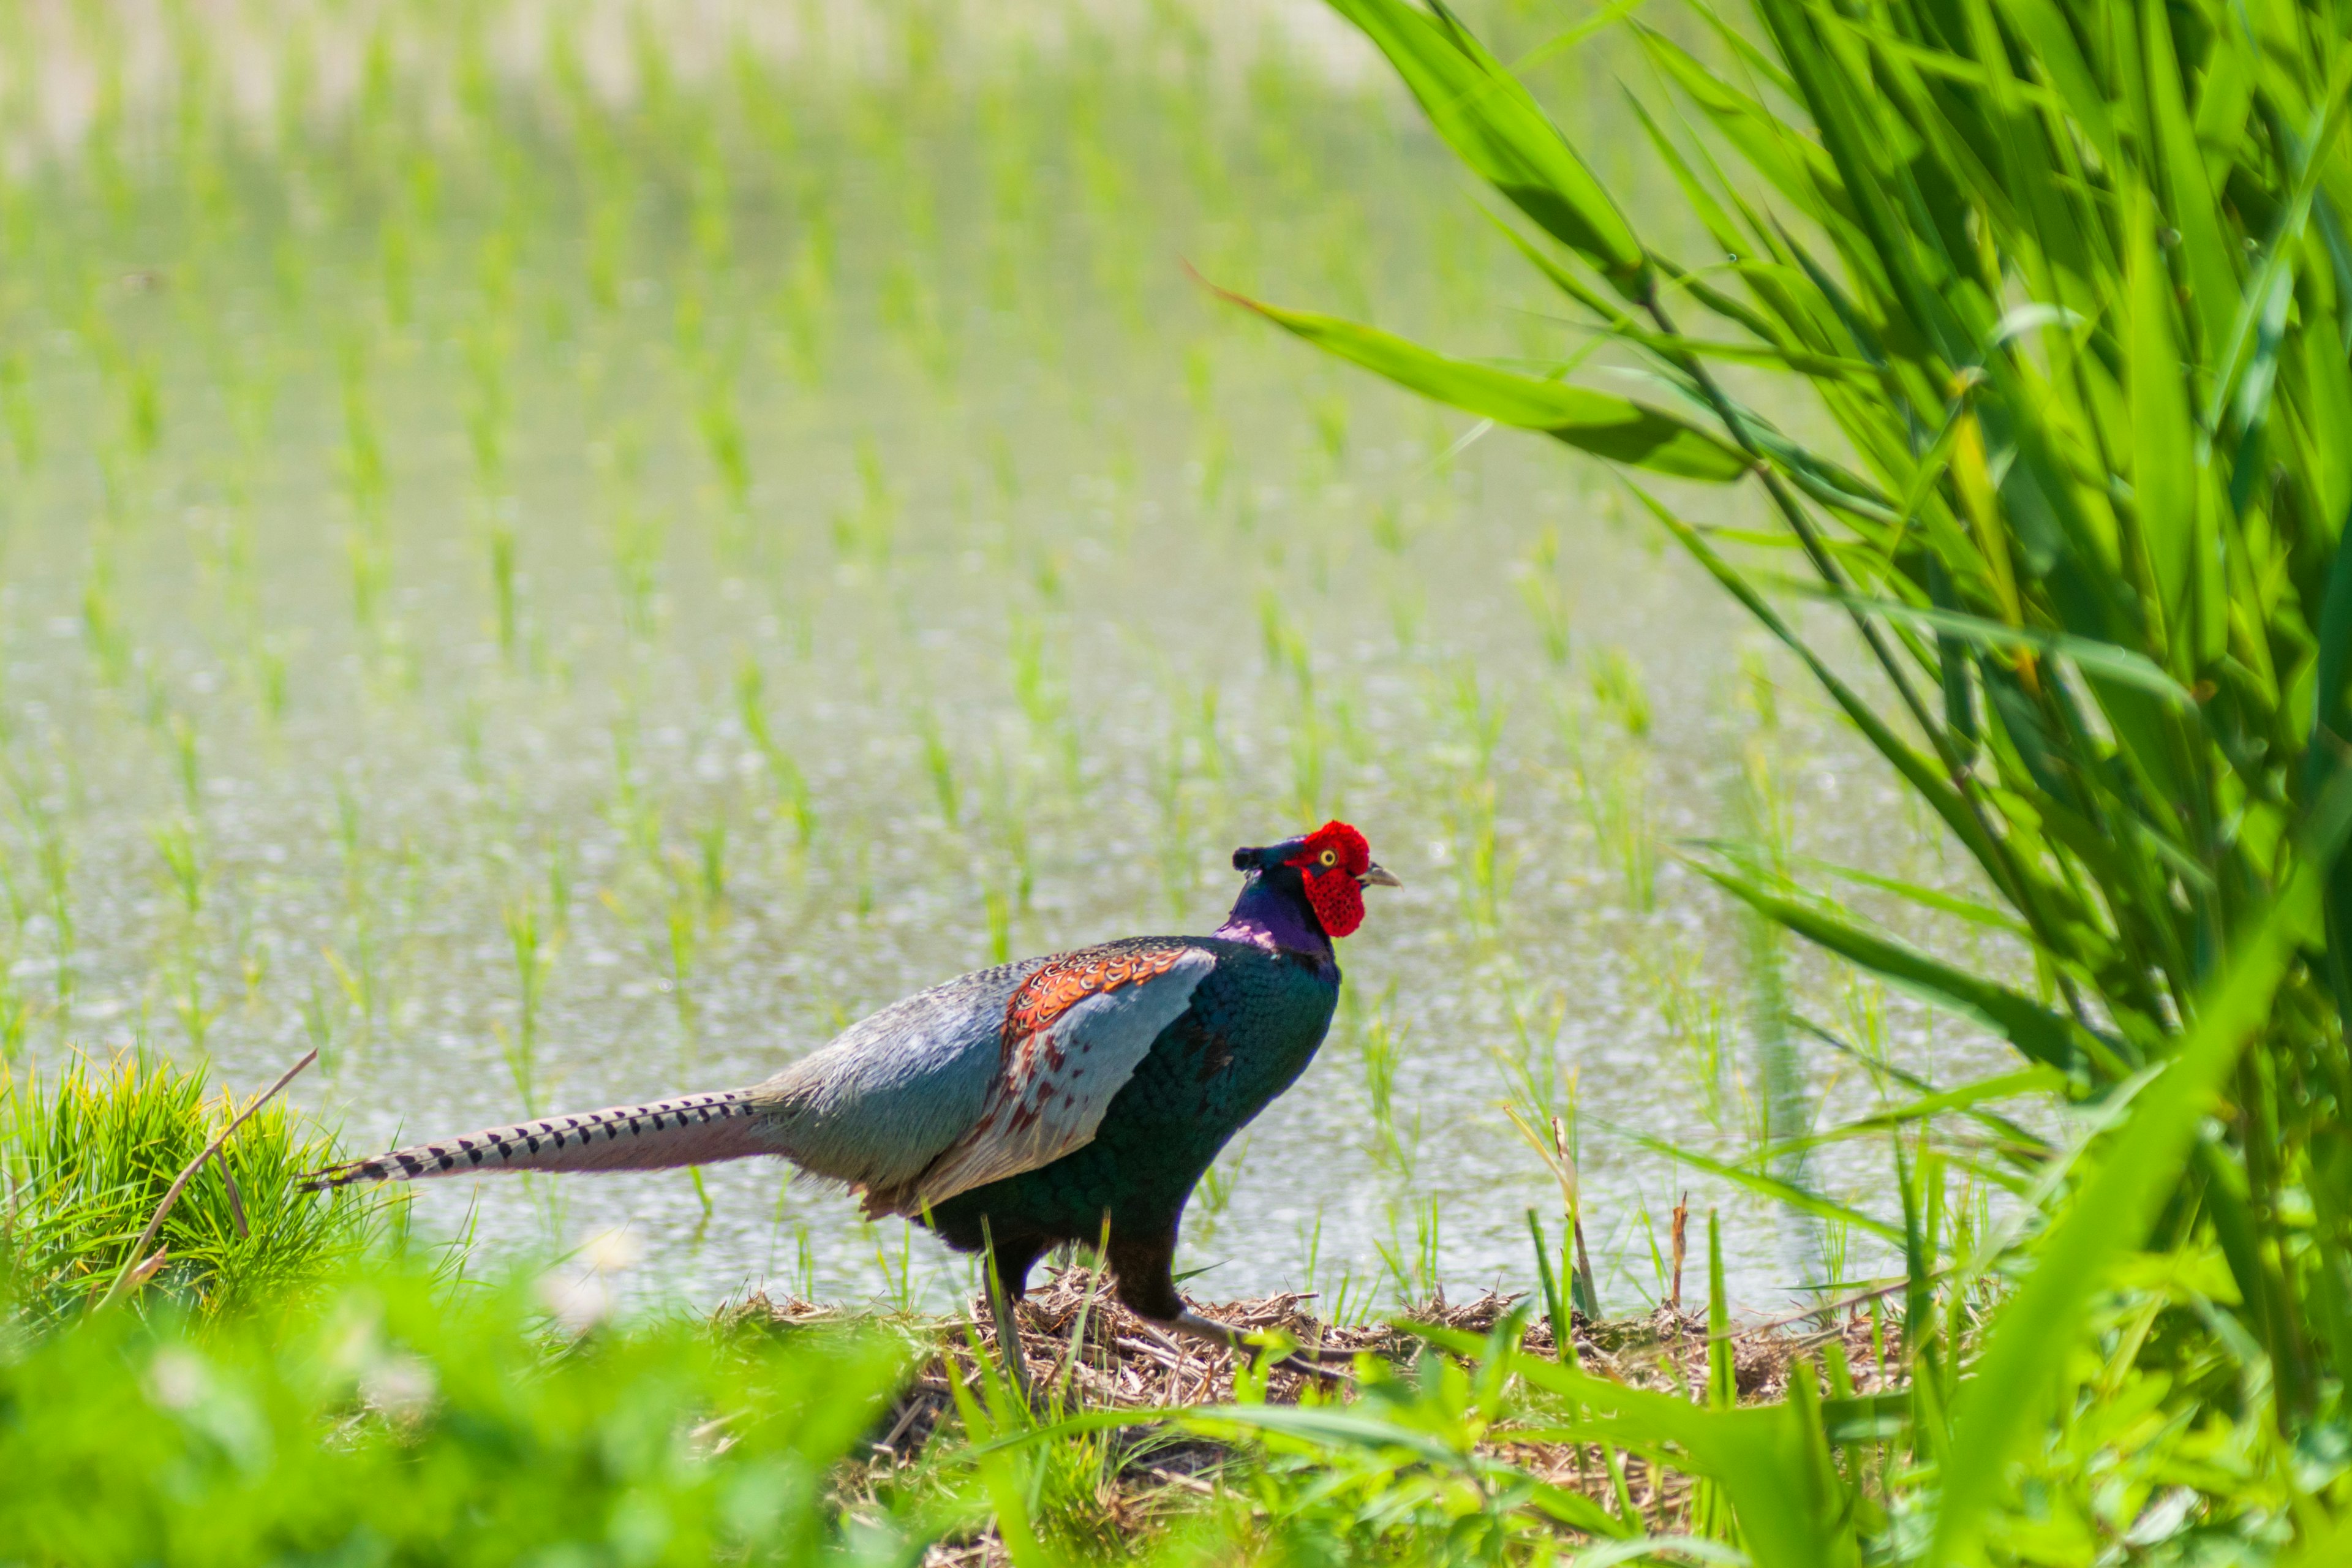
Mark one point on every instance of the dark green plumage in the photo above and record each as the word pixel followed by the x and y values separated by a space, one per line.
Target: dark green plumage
pixel 1253 1025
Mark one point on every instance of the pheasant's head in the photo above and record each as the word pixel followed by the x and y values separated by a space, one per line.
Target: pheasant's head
pixel 1333 866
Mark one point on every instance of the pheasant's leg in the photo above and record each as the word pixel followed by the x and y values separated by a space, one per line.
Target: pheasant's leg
pixel 1147 1285
pixel 1007 1264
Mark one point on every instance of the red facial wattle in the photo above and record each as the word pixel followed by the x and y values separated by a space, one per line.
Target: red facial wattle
pixel 1334 857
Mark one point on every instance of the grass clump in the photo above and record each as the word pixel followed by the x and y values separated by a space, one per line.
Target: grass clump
pixel 87 1156
pixel 390 1422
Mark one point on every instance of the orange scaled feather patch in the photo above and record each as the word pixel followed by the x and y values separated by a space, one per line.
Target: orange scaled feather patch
pixel 1067 982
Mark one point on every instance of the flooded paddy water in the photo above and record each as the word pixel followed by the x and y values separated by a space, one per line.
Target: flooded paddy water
pixel 573 563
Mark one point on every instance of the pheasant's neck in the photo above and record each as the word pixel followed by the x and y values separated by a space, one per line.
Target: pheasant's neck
pixel 1275 914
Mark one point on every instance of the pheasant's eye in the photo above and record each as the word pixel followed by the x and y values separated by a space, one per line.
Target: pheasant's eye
pixel 1329 858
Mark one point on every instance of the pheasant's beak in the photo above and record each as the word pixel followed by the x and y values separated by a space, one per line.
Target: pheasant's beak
pixel 1377 876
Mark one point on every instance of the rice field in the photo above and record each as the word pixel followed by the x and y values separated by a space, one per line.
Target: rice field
pixel 560 555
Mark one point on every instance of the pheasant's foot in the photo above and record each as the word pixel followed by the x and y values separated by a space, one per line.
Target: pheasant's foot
pixel 1309 1362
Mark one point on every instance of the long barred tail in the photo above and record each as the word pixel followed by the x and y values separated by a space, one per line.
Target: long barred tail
pixel 692 1130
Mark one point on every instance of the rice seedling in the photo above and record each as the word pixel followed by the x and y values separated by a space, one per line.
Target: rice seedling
pixel 1178 852
pixel 1616 805
pixel 318 1020
pixel 366 489
pixel 1540 590
pixel 1379 1043
pixel 1698 1023
pixel 639 544
pixel 187 760
pixel 997 906
pixel 865 532
pixel 900 1291
pixel 1618 687
pixel 790 784
pixel 1041 688
pixel 1309 799
pixel 175 845
pixel 19 413
pixel 676 946
pixel 15 1016
pixel 533 952
pixel 101 620
pixel 268 662
pixel 938 764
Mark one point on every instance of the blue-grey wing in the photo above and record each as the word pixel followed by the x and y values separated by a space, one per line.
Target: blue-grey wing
pixel 894 1091
pixel 1074 1036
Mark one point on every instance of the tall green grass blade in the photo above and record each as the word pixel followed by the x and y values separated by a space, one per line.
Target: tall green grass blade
pixel 2041 1035
pixel 1496 128
pixel 2107 660
pixel 1613 428
pixel 2164 477
pixel 2191 208
pixel 1764 1186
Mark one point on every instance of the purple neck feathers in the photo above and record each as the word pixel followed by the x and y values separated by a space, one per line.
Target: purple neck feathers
pixel 1273 913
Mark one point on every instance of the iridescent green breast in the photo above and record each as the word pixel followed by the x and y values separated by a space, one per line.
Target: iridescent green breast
pixel 1253 1025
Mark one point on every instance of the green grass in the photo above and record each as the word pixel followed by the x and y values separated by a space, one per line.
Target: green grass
pixel 86 1154
pixel 391 1421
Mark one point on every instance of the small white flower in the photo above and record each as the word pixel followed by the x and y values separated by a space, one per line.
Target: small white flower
pixel 612 1251
pixel 176 1379
pixel 579 1301
pixel 399 1387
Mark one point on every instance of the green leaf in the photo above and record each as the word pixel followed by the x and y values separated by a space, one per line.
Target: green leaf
pixel 2008 1085
pixel 1819 478
pixel 1756 1182
pixel 1672 347
pixel 2090 655
pixel 2331 724
pixel 1795 164
pixel 1332 1428
pixel 1614 427
pixel 2044 1036
pixel 1790 1515
pixel 2191 209
pixel 2164 441
pixel 1967 908
pixel 2019 1138
pixel 1495 126
pixel 2044 28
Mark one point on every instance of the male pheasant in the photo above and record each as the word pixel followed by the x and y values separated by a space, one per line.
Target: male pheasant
pixel 1026 1105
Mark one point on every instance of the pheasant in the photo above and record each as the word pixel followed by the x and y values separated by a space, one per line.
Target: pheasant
pixel 1054 1099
